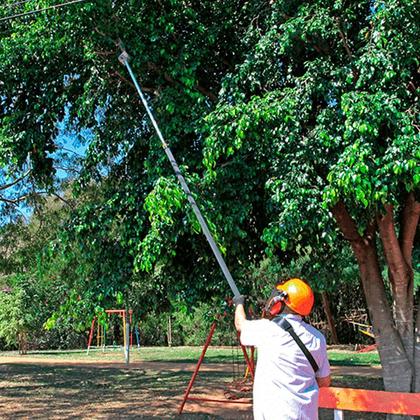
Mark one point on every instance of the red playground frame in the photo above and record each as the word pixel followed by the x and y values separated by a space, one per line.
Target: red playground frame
pixel 123 314
pixel 249 359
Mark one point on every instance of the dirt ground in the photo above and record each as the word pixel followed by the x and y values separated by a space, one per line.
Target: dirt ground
pixel 36 388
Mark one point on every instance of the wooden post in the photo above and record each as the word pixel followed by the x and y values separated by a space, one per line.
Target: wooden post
pixel 98 334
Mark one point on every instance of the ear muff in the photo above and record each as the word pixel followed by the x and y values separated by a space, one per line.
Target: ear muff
pixel 275 304
pixel 276 308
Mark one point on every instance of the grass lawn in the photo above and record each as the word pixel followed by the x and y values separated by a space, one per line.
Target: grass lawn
pixel 81 387
pixel 187 355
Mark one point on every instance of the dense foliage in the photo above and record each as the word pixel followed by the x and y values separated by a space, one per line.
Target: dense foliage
pixel 295 122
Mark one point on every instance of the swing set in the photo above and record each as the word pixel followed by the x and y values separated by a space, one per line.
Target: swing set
pixel 101 331
pixel 234 392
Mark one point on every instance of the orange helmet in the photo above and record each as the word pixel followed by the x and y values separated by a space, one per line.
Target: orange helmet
pixel 295 293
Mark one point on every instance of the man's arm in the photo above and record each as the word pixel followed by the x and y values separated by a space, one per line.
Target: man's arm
pixel 240 317
pixel 324 382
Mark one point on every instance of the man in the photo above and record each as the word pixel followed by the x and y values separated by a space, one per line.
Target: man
pixel 286 381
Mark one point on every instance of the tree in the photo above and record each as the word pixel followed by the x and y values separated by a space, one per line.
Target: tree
pixel 324 110
pixel 183 52
pixel 309 130
pixel 22 310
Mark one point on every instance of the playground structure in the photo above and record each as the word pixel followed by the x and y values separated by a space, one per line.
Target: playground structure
pixel 101 329
pixel 234 393
pixel 363 328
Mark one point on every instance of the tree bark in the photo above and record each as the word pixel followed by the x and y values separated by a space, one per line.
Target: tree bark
pixel 330 319
pixel 397 369
pixel 409 223
pixel 417 352
pixel 401 278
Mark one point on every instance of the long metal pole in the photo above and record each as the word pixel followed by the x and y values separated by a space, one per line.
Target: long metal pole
pixel 123 58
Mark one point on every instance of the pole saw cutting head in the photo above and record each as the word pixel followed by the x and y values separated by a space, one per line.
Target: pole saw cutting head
pixel 293 293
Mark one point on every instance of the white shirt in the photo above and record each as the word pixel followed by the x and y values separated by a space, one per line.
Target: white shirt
pixel 285 386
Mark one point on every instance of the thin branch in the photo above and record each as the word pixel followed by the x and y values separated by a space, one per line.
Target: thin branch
pixel 63 168
pixel 343 38
pixel 207 93
pixel 120 76
pixel 33 12
pixel 16 181
pixel 14 201
pixel 18 3
pixel 104 53
pixel 71 151
pixel 63 200
pixel 67 202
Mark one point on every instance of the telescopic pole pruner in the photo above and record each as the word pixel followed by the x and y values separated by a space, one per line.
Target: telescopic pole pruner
pixel 123 58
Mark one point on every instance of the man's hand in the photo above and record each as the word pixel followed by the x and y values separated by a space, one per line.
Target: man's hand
pixel 238 300
pixel 324 382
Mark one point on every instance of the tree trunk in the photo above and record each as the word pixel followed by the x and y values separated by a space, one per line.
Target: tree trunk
pixel 398 371
pixel 330 319
pixel 409 223
pixel 23 343
pixel 402 280
pixel 417 352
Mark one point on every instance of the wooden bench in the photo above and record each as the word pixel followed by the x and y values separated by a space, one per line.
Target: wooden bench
pixel 340 399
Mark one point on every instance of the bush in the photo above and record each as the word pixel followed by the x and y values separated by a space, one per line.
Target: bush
pixel 192 328
pixel 188 327
pixel 153 329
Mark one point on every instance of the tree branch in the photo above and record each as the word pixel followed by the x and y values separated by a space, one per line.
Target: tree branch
pixel 409 223
pixel 71 151
pixel 346 223
pixel 14 201
pixel 120 76
pixel 343 38
pixel 207 93
pixel 391 246
pixel 63 168
pixel 401 278
pixel 16 181
pixel 67 202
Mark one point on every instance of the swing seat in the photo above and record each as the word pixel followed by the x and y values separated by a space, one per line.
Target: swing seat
pixel 236 390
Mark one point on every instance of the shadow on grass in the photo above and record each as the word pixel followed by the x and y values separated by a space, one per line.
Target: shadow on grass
pixel 57 391
pixel 29 390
